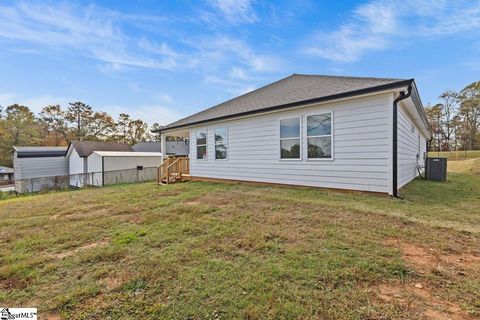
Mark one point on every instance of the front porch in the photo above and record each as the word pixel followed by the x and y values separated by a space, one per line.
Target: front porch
pixel 174 168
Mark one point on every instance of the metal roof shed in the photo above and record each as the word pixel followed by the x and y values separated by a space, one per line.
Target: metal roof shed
pixel 31 164
pixel 113 167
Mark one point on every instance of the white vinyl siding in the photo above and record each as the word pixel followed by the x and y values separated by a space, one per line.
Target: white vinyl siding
pixel 410 142
pixel 361 148
pixel 78 167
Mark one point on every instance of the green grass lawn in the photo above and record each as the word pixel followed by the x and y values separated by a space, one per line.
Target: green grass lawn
pixel 456 154
pixel 221 251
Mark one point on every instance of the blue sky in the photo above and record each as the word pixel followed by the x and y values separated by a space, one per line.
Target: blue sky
pixel 162 60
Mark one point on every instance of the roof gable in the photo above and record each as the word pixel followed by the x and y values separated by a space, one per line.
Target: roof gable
pixel 288 91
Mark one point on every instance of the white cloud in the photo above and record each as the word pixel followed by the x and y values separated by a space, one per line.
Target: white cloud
pixel 35 103
pixel 455 21
pixel 228 50
pixel 90 31
pixel 101 34
pixel 163 97
pixel 370 29
pixel 379 24
pixel 236 11
pixel 7 98
pixel 148 113
pixel 238 73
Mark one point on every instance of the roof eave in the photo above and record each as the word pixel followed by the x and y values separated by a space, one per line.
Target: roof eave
pixel 419 105
pixel 347 94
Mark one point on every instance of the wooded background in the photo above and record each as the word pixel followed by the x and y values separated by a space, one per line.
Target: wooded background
pixel 55 126
pixel 455 120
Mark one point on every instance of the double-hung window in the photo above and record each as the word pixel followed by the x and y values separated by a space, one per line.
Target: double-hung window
pixel 319 136
pixel 290 138
pixel 221 143
pixel 202 145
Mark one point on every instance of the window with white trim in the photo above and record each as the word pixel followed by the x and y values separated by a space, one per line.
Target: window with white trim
pixel 319 136
pixel 201 145
pixel 290 138
pixel 221 143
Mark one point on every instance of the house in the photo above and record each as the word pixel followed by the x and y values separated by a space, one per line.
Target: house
pixel 112 167
pixel 178 148
pixel 37 168
pixel 355 133
pixel 77 154
pixel 6 174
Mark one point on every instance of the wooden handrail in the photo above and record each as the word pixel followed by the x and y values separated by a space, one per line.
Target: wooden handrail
pixel 161 171
pixel 172 169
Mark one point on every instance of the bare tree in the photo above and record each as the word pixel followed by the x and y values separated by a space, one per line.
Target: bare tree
pixel 449 106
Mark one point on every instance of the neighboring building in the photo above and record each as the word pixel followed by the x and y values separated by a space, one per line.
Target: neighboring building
pixel 37 168
pixel 77 154
pixel 177 148
pixel 112 167
pixel 80 164
pixel 324 131
pixel 6 174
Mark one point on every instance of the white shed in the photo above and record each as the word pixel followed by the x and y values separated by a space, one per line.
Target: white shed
pixel 113 167
pixel 77 154
pixel 37 168
pixel 355 133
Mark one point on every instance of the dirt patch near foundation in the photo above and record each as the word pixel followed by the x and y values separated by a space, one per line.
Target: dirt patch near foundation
pixel 428 259
pixel 421 299
pixel 420 295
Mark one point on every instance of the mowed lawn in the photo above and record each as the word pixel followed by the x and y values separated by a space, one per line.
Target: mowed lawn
pixel 221 251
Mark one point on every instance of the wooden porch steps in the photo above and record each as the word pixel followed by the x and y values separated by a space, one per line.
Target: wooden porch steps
pixel 173 170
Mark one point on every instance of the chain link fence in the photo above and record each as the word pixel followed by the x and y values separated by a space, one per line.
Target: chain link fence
pixel 90 179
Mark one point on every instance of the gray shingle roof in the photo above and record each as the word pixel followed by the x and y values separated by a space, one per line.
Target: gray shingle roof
pixel 86 148
pixel 292 89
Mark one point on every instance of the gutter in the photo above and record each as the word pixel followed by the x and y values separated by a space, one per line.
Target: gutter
pixel 401 97
pixel 419 106
pixel 353 93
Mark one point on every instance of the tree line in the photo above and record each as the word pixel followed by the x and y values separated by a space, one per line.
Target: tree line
pixel 55 126
pixel 455 120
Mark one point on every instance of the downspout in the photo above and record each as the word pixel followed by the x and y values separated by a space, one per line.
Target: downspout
pixel 401 97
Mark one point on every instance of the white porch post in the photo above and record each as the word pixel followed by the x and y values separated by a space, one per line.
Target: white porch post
pixel 163 146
